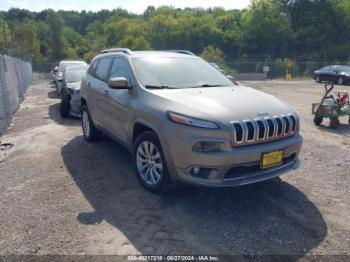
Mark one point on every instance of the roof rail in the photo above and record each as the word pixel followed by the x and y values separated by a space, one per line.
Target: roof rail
pixel 121 50
pixel 186 52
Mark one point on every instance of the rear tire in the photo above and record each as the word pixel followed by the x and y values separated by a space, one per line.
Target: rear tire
pixel 340 80
pixel 150 164
pixel 91 133
pixel 65 105
pixel 318 120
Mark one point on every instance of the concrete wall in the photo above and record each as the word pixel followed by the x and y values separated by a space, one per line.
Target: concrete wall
pixel 15 77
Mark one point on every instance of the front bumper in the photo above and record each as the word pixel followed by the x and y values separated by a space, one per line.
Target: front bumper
pixel 234 166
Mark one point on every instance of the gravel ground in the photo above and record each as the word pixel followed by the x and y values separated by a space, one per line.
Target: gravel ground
pixel 62 195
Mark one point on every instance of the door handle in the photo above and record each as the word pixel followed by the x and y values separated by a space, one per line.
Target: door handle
pixel 106 93
pixel 89 85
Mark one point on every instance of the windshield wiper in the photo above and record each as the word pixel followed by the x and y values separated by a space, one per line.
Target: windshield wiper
pixel 158 87
pixel 206 85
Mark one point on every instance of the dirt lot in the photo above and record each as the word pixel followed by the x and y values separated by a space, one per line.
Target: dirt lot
pixel 62 195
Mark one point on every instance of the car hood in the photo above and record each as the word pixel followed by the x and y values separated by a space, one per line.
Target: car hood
pixel 224 103
pixel 74 85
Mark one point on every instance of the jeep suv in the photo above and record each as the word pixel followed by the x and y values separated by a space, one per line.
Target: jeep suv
pixel 185 122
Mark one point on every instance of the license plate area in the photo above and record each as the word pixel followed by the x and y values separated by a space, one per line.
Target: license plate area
pixel 270 159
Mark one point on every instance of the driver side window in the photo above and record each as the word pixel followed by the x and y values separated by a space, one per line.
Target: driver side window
pixel 120 69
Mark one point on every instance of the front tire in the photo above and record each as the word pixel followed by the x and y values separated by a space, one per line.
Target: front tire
pixel 150 163
pixel 91 133
pixel 318 120
pixel 318 79
pixel 65 105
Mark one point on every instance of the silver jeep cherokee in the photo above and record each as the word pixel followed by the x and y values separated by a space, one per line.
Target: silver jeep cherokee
pixel 184 121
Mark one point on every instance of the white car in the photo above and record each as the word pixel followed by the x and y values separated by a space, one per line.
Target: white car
pixel 62 66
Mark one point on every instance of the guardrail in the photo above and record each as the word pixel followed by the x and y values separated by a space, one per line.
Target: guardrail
pixel 15 78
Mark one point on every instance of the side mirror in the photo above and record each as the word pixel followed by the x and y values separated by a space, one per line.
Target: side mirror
pixel 118 83
pixel 55 70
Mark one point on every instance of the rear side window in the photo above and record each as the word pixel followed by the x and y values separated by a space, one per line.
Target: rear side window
pixel 103 68
pixel 92 68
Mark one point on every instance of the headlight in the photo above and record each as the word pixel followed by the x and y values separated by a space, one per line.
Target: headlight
pixel 190 121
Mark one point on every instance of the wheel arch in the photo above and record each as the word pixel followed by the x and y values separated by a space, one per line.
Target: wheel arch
pixel 141 127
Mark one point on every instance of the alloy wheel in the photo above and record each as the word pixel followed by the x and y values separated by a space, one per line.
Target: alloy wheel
pixel 340 80
pixel 149 162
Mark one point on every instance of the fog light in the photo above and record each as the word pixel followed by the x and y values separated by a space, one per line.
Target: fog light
pixel 200 172
pixel 206 146
pixel 196 170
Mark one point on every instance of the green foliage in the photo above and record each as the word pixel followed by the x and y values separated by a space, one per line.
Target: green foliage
pixel 213 55
pixel 266 29
pixel 56 39
pixel 5 34
pixel 312 29
pixel 134 43
pixel 25 38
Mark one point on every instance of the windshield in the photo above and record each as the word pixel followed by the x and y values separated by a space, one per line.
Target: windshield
pixel 64 65
pixel 177 72
pixel 74 75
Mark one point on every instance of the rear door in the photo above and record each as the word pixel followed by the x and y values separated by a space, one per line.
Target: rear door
pixel 335 73
pixel 99 91
pixel 90 93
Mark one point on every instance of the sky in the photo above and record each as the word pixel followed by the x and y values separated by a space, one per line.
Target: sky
pixel 135 6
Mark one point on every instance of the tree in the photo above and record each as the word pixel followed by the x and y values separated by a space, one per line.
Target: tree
pixel 25 39
pixel 134 43
pixel 213 55
pixel 312 29
pixel 266 29
pixel 56 40
pixel 5 35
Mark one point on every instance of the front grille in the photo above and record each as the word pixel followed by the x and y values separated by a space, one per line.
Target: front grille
pixel 262 130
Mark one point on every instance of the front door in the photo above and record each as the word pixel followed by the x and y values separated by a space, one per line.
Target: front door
pixel 119 100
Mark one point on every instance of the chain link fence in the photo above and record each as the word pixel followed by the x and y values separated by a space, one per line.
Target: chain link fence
pixel 15 77
pixel 259 70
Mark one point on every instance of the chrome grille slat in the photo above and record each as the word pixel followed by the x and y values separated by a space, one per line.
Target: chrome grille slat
pixel 266 128
pixel 273 127
pixel 242 130
pixel 247 132
pixel 261 121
